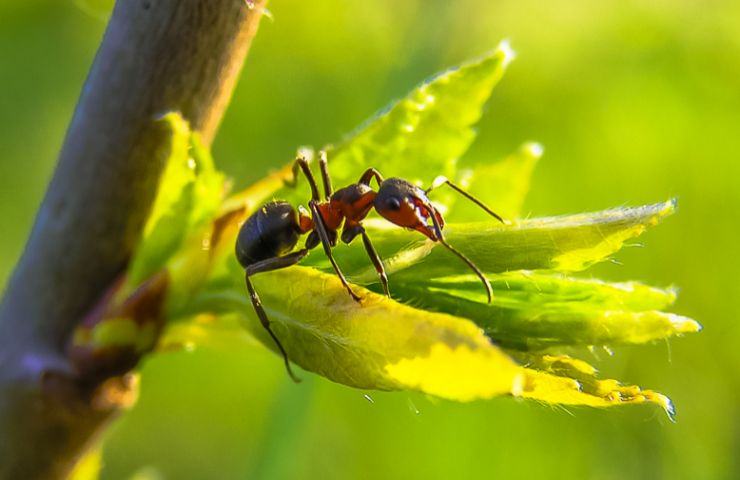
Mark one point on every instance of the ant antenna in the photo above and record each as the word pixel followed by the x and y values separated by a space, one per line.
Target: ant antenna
pixel 473 267
pixel 439 181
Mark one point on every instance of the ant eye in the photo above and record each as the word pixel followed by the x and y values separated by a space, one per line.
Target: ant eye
pixel 393 204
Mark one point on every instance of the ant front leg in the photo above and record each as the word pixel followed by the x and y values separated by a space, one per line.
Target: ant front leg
pixel 369 174
pixel 324 166
pixel 266 266
pixel 302 164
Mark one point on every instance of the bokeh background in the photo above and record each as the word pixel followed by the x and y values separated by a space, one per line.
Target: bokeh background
pixel 635 101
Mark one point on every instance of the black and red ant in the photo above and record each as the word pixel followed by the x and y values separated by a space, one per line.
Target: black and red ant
pixel 267 238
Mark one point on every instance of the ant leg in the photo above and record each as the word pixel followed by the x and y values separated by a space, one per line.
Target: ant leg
pixel 302 164
pixel 473 267
pixel 266 266
pixel 349 233
pixel 324 166
pixel 320 228
pixel 377 262
pixel 369 174
pixel 443 180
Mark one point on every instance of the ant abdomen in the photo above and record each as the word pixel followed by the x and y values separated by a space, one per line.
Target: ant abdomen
pixel 270 232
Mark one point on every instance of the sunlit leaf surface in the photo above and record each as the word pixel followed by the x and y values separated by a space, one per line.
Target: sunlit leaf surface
pixel 533 311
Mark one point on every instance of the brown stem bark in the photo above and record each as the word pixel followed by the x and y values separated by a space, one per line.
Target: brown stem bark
pixel 156 56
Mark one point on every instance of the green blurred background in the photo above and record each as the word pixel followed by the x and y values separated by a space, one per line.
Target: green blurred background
pixel 634 102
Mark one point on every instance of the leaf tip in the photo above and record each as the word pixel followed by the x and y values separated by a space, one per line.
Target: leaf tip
pixel 173 119
pixel 506 53
pixel 668 207
pixel 683 324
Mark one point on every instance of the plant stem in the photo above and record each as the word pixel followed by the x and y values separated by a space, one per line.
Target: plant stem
pixel 156 56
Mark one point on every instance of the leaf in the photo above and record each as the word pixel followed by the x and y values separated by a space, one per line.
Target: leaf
pixel 560 379
pixel 522 288
pixel 565 243
pixel 167 223
pixel 533 311
pixel 389 346
pixel 210 184
pixel 380 344
pixel 190 192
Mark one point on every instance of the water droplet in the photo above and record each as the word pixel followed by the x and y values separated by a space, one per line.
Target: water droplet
pixel 412 407
pixel 534 149
pixel 670 410
pixel 592 350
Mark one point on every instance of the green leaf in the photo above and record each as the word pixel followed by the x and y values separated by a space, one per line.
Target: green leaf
pixel 190 192
pixel 533 311
pixel 385 345
pixel 379 344
pixel 210 184
pixel 565 243
pixel 560 379
pixel 167 223
pixel 522 288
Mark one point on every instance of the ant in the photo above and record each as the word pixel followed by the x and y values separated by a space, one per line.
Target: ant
pixel 267 238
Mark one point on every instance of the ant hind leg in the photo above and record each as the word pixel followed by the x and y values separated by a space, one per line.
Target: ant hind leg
pixel 266 266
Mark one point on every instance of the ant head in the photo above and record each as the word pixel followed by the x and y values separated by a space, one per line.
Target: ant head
pixel 407 205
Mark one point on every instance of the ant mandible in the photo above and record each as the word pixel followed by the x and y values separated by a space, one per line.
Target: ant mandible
pixel 267 238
